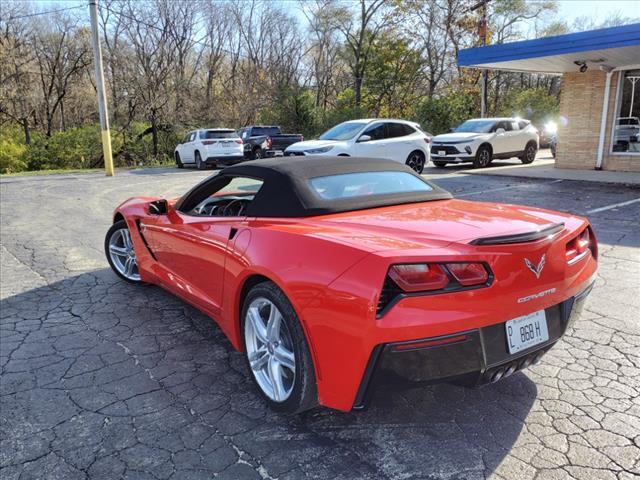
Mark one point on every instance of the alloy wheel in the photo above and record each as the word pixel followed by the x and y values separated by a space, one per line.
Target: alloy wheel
pixel 270 349
pixel 484 158
pixel 531 154
pixel 123 255
pixel 416 162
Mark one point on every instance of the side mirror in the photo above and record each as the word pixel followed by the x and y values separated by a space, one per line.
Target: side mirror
pixel 500 130
pixel 364 138
pixel 158 207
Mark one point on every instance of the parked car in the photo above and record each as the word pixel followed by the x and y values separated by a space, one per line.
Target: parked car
pixel 397 140
pixel 261 141
pixel 206 147
pixel 546 133
pixel 332 274
pixel 482 140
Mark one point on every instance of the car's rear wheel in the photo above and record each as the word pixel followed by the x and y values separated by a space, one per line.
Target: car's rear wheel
pixel 120 252
pixel 179 163
pixel 440 164
pixel 529 154
pixel 257 154
pixel 200 165
pixel 415 160
pixel 276 350
pixel 483 157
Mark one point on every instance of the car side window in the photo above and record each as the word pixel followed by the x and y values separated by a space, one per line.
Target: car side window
pixel 376 132
pixel 522 124
pixel 192 137
pixel 398 130
pixel 202 134
pixel 515 126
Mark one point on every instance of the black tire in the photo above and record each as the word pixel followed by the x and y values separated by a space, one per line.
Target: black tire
pixel 257 154
pixel 304 394
pixel 119 225
pixel 179 163
pixel 483 157
pixel 415 161
pixel 529 154
pixel 200 165
pixel 440 164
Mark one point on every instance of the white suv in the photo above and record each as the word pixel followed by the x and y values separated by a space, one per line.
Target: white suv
pixel 482 140
pixel 398 140
pixel 214 146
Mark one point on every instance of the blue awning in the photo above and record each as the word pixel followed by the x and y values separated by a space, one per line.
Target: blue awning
pixel 613 47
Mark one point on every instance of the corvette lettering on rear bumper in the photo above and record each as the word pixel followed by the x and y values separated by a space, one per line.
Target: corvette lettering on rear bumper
pixel 536 295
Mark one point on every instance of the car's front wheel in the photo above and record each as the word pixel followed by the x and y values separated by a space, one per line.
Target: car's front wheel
pixel 529 154
pixel 440 164
pixel 483 157
pixel 179 163
pixel 120 252
pixel 415 160
pixel 276 350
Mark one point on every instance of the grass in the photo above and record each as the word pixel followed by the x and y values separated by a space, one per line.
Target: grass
pixel 78 170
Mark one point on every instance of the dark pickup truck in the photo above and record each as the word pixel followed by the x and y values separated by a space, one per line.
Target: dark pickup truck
pixel 261 141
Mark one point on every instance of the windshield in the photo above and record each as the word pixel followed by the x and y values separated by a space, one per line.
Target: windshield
pixel 475 126
pixel 343 131
pixel 349 185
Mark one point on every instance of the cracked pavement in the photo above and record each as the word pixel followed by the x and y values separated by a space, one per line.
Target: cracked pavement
pixel 103 379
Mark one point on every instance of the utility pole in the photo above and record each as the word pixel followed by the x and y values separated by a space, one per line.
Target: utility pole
pixel 482 31
pixel 100 91
pixel 485 73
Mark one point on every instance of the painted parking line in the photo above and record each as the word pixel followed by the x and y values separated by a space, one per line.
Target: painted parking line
pixel 615 205
pixel 506 188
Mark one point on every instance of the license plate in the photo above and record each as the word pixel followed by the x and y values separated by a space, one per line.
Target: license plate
pixel 527 331
pixel 442 152
pixel 226 144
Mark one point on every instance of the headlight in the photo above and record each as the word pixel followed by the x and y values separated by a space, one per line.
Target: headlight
pixel 319 150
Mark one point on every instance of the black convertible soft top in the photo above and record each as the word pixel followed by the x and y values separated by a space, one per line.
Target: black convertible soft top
pixel 286 191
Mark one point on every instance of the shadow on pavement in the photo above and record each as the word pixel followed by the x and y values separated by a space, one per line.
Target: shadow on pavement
pixel 91 356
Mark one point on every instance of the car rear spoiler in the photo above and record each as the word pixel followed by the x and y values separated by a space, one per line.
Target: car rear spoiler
pixel 545 232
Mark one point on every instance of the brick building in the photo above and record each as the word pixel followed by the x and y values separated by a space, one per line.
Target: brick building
pixel 600 94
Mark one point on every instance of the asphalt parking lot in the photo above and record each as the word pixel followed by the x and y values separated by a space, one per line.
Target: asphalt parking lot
pixel 102 379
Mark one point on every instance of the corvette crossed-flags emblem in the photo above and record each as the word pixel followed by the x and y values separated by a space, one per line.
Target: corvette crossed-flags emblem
pixel 537 270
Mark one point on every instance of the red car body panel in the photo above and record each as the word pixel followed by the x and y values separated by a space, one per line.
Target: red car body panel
pixel 332 269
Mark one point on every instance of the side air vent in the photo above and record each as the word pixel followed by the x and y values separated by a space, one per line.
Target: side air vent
pixel 545 232
pixel 389 292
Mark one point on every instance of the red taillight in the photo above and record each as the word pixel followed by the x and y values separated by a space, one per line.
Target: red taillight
pixel 468 274
pixel 269 143
pixel 418 277
pixel 209 142
pixel 239 141
pixel 580 244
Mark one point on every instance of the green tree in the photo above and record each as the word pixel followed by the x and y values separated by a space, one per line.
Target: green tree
pixel 535 104
pixel 440 113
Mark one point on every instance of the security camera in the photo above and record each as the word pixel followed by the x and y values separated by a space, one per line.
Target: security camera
pixel 582 64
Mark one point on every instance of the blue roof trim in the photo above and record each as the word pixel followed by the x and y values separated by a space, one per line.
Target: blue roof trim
pixel 604 38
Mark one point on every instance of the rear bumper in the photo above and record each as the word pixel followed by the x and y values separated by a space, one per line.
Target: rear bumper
pixel 224 159
pixel 470 358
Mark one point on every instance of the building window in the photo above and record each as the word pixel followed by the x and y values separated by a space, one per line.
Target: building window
pixel 626 129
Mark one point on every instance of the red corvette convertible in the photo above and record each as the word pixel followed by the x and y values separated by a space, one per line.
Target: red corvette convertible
pixel 336 274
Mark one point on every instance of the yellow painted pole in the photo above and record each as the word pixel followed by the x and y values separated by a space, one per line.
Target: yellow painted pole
pixel 100 90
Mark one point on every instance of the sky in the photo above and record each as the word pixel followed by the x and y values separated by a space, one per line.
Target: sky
pixel 569 10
